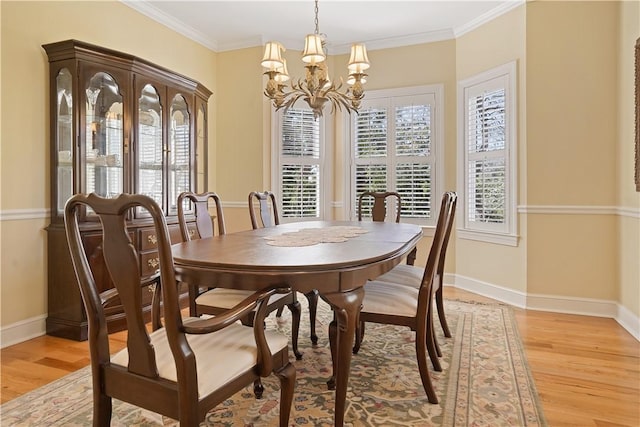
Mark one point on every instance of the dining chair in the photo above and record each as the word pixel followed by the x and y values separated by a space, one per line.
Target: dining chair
pixel 412 276
pixel 378 210
pixel 186 367
pixel 395 304
pixel 215 300
pixel 268 215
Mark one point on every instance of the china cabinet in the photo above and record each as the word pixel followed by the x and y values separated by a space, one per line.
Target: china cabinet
pixel 119 124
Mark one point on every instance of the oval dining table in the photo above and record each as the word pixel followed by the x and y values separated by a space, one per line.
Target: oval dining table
pixel 338 271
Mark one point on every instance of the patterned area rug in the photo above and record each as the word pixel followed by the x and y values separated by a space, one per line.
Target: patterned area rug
pixel 485 382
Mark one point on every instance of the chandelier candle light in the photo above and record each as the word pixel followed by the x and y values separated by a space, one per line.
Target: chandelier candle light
pixel 316 89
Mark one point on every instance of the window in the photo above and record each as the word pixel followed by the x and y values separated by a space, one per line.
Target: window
pixel 487 155
pixel 396 139
pixel 298 164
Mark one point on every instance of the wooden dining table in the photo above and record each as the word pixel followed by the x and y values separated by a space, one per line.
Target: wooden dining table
pixel 337 269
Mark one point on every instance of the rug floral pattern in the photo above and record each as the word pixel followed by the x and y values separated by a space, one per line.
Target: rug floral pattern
pixel 485 381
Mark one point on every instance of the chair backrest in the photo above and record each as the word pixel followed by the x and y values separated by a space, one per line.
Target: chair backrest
pixel 204 225
pixel 123 265
pixel 445 216
pixel 379 208
pixel 447 232
pixel 268 209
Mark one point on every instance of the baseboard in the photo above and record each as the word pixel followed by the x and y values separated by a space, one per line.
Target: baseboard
pixel 509 296
pixel 553 303
pixel 629 321
pixel 23 330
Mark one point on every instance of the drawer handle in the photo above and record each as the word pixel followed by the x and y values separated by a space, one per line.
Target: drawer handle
pixel 192 233
pixel 153 262
pixel 152 239
pixel 151 288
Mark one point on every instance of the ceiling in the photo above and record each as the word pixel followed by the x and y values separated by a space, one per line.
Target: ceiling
pixel 228 25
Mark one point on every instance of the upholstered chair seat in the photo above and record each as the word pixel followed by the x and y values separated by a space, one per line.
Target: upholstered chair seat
pixel 234 348
pixel 390 299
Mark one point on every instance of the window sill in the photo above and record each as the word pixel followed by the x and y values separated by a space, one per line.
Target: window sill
pixel 483 236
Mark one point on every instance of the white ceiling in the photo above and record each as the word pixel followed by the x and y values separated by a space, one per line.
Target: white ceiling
pixel 227 25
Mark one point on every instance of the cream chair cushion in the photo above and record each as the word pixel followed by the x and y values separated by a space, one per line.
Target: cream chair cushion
pixel 390 298
pixel 407 275
pixel 220 356
pixel 228 298
pixel 402 274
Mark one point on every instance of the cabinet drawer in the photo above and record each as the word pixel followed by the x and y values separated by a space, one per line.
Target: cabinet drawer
pixel 149 239
pixel 149 263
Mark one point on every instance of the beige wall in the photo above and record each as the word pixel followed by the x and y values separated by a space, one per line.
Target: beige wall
pixel 571 147
pixel 496 43
pixel 628 248
pixel 575 116
pixel 25 137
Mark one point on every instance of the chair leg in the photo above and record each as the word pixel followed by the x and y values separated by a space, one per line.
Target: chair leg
pixel 258 388
pixel 359 337
pixel 436 344
pixel 411 258
pixel 287 376
pixel 421 354
pixel 295 327
pixel 279 312
pixel 193 293
pixel 441 316
pixel 431 343
pixel 432 332
pixel 101 408
pixel 312 297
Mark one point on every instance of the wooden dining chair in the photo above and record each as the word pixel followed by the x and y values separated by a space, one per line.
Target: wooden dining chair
pixel 267 213
pixel 378 207
pixel 394 304
pixel 190 365
pixel 412 276
pixel 378 210
pixel 218 300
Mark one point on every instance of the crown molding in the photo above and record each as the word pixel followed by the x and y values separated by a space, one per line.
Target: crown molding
pixel 487 17
pixel 147 9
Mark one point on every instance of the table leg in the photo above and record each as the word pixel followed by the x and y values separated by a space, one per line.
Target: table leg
pixel 346 306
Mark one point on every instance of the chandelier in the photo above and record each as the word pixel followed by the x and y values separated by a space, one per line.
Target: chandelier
pixel 316 88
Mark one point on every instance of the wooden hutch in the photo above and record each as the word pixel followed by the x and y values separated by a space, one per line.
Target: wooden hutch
pixel 119 124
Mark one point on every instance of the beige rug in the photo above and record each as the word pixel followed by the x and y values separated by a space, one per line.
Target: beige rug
pixel 485 382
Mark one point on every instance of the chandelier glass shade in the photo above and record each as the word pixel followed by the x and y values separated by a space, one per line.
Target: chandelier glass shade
pixel 316 88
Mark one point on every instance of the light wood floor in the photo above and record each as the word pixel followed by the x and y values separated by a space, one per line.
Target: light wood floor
pixel 586 369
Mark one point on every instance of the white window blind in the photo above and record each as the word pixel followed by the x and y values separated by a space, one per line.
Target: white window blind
pixel 394 149
pixel 299 164
pixel 488 154
pixel 486 157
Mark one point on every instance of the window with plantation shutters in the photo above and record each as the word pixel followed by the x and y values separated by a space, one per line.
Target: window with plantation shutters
pixel 395 143
pixel 299 164
pixel 487 155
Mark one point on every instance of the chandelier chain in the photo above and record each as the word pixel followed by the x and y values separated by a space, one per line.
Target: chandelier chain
pixel 316 20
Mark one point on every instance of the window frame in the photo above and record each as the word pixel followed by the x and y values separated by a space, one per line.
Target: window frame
pixel 503 76
pixel 436 91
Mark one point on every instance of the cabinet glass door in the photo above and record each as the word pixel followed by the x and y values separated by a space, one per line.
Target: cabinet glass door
pixel 150 150
pixel 201 149
pixel 179 151
pixel 104 136
pixel 64 137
